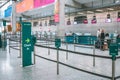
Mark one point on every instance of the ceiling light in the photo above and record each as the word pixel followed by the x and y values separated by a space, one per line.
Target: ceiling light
pixel 117 1
pixel 79 13
pixel 90 12
pixel 99 10
pixel 110 9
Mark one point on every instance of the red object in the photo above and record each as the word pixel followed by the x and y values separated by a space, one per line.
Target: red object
pixel 118 19
pixel 39 3
pixel 56 17
pixel 85 21
pixel 93 21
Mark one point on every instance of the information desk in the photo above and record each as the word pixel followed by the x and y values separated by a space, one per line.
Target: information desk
pixel 86 40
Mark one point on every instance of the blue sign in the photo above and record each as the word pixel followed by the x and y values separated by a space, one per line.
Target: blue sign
pixel 8 11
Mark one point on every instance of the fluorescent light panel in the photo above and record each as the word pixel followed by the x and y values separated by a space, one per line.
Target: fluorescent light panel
pixel 110 9
pixel 99 10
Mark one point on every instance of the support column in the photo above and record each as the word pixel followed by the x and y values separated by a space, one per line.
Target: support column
pixel 61 25
pixel 13 16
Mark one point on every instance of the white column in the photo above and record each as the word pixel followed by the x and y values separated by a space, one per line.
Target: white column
pixel 61 25
pixel 13 17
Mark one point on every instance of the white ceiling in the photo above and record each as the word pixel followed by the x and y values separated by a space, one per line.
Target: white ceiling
pixel 2 2
pixel 85 1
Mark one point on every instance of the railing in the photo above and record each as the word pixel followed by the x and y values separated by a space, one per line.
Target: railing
pixel 46 44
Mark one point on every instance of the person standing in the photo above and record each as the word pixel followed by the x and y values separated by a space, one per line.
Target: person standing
pixel 98 34
pixel 102 37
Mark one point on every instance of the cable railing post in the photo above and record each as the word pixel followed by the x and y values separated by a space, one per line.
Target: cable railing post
pixel 66 51
pixel 34 55
pixel 94 54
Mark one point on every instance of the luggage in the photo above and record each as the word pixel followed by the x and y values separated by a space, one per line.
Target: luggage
pixel 97 44
pixel 105 46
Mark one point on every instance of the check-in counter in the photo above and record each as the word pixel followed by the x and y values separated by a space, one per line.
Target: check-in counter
pixel 86 39
pixel 69 37
pixel 76 37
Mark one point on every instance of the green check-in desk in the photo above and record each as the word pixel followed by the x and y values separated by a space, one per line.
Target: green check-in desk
pixel 86 39
pixel 69 39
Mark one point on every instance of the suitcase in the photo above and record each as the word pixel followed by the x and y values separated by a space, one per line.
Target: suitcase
pixel 97 44
pixel 105 46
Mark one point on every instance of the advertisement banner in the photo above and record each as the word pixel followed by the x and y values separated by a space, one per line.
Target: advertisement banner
pixel 39 3
pixel 8 11
pixel 56 11
pixel 22 7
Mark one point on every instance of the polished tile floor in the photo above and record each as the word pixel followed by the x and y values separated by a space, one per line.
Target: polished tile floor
pixel 10 66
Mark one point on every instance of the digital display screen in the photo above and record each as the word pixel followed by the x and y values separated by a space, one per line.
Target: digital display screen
pixel 93 21
pixel 39 3
pixel 85 21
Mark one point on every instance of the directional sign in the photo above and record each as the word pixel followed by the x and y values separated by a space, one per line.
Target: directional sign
pixel 4 22
pixel 27 40
pixel 57 43
pixel 26 44
pixel 113 49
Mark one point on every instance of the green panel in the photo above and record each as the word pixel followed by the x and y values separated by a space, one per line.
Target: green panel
pixel 33 41
pixel 113 49
pixel 4 23
pixel 57 43
pixel 26 44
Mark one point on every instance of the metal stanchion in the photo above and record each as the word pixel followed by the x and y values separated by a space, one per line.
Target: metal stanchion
pixel 66 51
pixel 94 54
pixel 74 47
pixel 20 55
pixel 9 45
pixel 57 61
pixel 34 55
pixel 57 45
pixel 48 49
pixel 113 69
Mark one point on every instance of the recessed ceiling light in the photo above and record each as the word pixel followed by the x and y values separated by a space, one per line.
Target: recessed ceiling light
pixel 79 13
pixel 90 12
pixel 99 10
pixel 117 1
pixel 110 9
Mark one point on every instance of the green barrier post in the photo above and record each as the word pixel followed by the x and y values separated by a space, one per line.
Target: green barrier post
pixel 57 45
pixel 113 51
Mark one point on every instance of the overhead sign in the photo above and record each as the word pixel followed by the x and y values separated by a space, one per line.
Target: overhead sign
pixel 22 7
pixel 26 44
pixel 39 3
pixel 8 11
pixel 56 11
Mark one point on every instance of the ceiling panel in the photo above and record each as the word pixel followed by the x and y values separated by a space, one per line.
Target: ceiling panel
pixel 85 1
pixel 2 2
